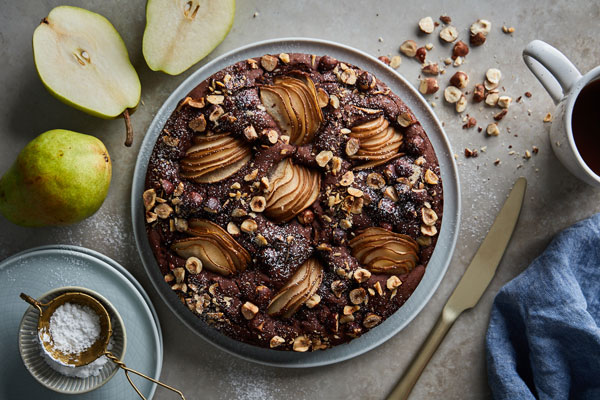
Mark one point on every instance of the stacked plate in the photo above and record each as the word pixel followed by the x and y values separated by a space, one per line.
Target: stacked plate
pixel 42 269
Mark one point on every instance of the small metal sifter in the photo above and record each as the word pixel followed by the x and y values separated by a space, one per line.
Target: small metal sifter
pixel 98 349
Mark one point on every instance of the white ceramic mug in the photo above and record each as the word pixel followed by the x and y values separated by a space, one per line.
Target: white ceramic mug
pixel 563 82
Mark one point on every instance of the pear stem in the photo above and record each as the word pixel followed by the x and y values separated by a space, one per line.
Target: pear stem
pixel 128 127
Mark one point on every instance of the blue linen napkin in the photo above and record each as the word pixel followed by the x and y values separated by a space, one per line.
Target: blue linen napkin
pixel 543 340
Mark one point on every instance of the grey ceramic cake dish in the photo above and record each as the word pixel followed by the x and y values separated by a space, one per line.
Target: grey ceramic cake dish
pixel 436 268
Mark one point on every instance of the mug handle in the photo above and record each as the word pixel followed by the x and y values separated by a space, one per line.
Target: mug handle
pixel 554 71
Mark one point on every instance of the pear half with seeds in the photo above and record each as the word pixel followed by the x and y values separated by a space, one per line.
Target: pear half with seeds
pixel 82 60
pixel 179 33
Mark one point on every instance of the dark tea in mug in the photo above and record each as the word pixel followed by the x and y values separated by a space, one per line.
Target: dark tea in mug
pixel 586 125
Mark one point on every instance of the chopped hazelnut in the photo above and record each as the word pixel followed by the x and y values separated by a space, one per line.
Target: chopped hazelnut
pixel 346 223
pixel 446 19
pixel 261 240
pixel 276 341
pixel 215 99
pixel 301 344
pixel 335 101
pixel 384 59
pixel 421 54
pixel 285 58
pixel 460 49
pixel 349 310
pixel 249 226
pixel 378 288
pixel 409 48
pixel 477 40
pixel 362 275
pixel 395 62
pixel 313 301
pixel 322 98
pixel 358 295
pixel 250 133
pixel 198 124
pixel 449 34
pixel 163 210
pixel 249 310
pixel 500 115
pixel 492 130
pixel 306 217
pixel 430 69
pixel 428 216
pixel 493 75
pixel 216 113
pixel 478 93
pixel 337 288
pixel 504 101
pixel 355 192
pixel 268 62
pixel 233 229
pixel 431 178
pixel 461 104
pixel 258 204
pixel 548 117
pixel 460 79
pixel 452 94
pixel 426 25
pixel 324 157
pixel 393 282
pixel 371 320
pixel 481 26
pixel 149 197
pixel 347 179
pixel 428 230
pixel 151 216
pixel 375 181
pixel 406 119
pixel 428 86
pixel 492 98
pixel 391 193
pixel 348 76
pixel 179 274
pixel 352 146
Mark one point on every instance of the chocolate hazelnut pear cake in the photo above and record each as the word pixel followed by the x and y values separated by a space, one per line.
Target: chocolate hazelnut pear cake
pixel 293 201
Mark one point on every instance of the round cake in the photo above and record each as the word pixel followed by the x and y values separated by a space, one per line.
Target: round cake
pixel 293 201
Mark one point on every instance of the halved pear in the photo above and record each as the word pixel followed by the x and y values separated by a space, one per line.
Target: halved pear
pixel 82 60
pixel 179 33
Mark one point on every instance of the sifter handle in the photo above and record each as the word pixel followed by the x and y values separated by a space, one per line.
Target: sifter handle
pixel 121 364
pixel 32 301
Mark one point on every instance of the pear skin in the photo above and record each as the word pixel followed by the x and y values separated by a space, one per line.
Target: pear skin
pixel 59 178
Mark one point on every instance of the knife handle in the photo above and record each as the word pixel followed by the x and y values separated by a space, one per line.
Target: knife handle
pixel 418 364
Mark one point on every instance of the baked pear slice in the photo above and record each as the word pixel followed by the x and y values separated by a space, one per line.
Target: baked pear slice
pixel 275 105
pixel 209 161
pixel 291 183
pixel 378 143
pixel 303 284
pixel 214 246
pixel 179 33
pixel 385 252
pixel 82 61
pixel 212 255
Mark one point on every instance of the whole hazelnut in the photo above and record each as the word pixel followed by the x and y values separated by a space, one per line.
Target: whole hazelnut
pixel 421 54
pixel 460 79
pixel 460 49
pixel 366 81
pixel 327 63
pixel 306 217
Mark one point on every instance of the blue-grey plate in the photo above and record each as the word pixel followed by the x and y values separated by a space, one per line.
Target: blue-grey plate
pixel 39 270
pixel 441 256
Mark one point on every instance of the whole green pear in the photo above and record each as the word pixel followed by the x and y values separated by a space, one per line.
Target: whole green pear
pixel 59 178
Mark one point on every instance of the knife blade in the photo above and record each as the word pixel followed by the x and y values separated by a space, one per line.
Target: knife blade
pixel 470 288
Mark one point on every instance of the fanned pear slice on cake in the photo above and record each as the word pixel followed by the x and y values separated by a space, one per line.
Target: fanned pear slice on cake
pixel 179 33
pixel 385 252
pixel 82 61
pixel 293 104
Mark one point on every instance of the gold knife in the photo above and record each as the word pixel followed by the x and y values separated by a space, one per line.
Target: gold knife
pixel 470 288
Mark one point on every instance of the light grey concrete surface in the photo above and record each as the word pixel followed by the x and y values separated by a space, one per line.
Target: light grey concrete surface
pixel 554 199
